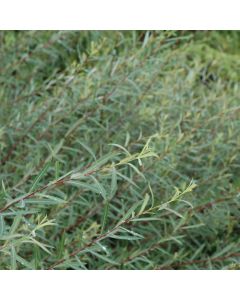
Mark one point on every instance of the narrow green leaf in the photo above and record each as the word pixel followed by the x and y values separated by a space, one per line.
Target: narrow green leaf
pixel 103 257
pixel 21 212
pixel 4 189
pixel 105 215
pixel 136 170
pixel 84 186
pixel 57 169
pixel 13 258
pixel 89 150
pixel 15 224
pixel 122 148
pixel 2 225
pixel 129 213
pixel 100 162
pixel 41 245
pixel 53 199
pixel 10 237
pixel 124 237
pixel 113 183
pixel 101 189
pixel 25 263
pixel 127 139
pixel 144 204
pixel 39 176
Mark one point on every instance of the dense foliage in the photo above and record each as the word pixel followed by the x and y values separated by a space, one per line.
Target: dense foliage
pixel 119 150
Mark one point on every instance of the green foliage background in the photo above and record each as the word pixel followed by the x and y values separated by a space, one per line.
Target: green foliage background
pixel 68 99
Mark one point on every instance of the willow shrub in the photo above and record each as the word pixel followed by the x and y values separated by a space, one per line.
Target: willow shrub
pixel 119 150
